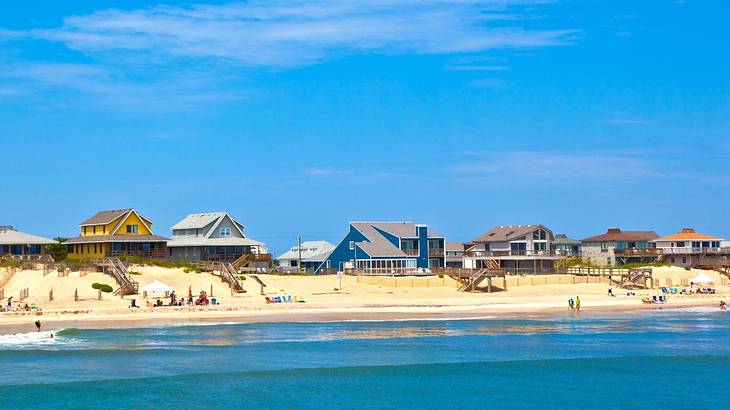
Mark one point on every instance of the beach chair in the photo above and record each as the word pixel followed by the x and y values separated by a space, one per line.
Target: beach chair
pixel 268 300
pixel 654 299
pixel 301 299
pixel 665 291
pixel 288 300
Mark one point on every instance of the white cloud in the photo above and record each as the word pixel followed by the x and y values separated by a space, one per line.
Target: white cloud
pixel 323 172
pixel 538 168
pixel 290 33
pixel 100 85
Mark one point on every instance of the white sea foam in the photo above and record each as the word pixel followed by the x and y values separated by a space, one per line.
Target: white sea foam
pixel 28 339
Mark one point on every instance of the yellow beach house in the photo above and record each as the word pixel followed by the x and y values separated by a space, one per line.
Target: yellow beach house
pixel 121 232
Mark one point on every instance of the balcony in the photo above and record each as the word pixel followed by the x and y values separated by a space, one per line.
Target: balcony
pixel 151 254
pixel 411 252
pixel 497 254
pixel 691 251
pixel 638 252
pixel 436 252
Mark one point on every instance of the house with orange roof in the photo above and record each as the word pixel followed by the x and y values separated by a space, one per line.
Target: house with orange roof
pixel 687 248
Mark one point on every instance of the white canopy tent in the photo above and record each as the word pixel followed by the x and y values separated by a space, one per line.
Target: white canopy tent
pixel 702 278
pixel 157 286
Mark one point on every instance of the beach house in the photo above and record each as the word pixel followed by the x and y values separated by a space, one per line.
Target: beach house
pixel 387 248
pixel 455 254
pixel 688 248
pixel 311 254
pixel 120 232
pixel 514 248
pixel 562 245
pixel 215 237
pixel 617 247
pixel 20 245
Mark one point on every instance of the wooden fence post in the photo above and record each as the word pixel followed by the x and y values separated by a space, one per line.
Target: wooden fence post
pixel 50 295
pixel 76 295
pixel 99 294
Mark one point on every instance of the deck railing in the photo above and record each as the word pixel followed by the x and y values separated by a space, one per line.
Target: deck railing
pixel 151 254
pixel 638 252
pixel 490 254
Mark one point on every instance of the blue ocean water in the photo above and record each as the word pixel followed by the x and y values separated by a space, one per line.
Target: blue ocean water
pixel 649 359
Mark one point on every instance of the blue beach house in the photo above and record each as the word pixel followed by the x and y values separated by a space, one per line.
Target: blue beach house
pixel 387 248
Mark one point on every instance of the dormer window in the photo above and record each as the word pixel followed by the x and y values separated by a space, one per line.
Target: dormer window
pixel 539 235
pixel 224 232
pixel 132 228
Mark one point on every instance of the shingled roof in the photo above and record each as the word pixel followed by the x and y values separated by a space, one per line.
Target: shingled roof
pixel 617 235
pixel 105 217
pixel 379 245
pixel 507 233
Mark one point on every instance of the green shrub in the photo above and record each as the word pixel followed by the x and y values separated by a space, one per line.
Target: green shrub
pixel 134 272
pixel 242 277
pixel 102 287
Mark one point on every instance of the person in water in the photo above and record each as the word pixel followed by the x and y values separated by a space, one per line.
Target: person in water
pixel 723 305
pixel 38 325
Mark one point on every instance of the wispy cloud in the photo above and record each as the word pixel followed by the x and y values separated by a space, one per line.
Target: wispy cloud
pixel 324 172
pixel 538 168
pixel 105 86
pixel 291 33
pixel 629 121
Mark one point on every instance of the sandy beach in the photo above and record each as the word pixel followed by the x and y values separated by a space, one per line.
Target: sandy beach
pixel 359 299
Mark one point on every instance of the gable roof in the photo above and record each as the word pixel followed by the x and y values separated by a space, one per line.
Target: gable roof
pixel 9 236
pixel 198 221
pixel 456 246
pixel 377 245
pixel 312 251
pixel 616 234
pixel 402 229
pixel 105 217
pixel 687 234
pixel 508 233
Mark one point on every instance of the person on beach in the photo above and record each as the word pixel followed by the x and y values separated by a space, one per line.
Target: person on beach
pixel 723 305
pixel 10 304
pixel 571 304
pixel 38 325
pixel 577 303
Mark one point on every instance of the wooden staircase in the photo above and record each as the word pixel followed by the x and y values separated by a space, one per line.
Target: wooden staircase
pixel 118 270
pixel 634 280
pixel 242 262
pixel 229 275
pixel 470 283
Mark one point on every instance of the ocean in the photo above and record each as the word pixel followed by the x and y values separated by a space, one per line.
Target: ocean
pixel 676 358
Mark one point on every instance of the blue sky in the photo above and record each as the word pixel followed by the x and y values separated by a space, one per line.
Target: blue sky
pixel 297 117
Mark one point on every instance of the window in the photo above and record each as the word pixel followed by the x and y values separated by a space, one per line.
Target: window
pixel 539 235
pixel 680 244
pixel 352 245
pixel 225 232
pixel 684 261
pixel 84 230
pixel 604 246
pixel 93 230
pixel 132 228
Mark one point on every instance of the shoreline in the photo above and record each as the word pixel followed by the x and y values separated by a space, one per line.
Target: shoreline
pixel 18 324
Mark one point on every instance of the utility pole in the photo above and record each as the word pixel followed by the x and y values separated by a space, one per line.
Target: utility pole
pixel 299 246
